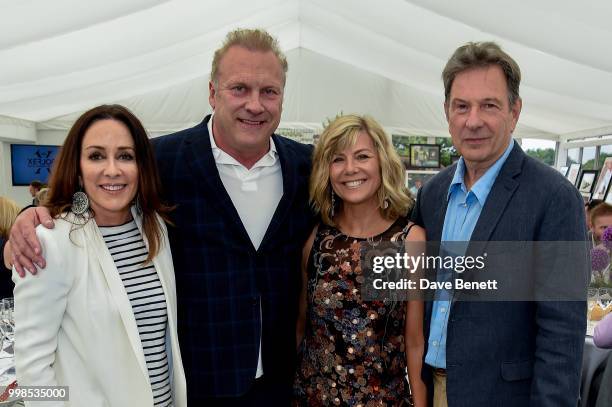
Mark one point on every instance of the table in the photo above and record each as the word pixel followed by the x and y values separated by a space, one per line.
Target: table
pixel 591 359
pixel 7 368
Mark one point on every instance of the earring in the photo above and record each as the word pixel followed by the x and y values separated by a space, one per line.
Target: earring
pixel 333 203
pixel 386 203
pixel 80 203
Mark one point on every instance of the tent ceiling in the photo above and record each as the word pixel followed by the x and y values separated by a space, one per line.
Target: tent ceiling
pixel 380 58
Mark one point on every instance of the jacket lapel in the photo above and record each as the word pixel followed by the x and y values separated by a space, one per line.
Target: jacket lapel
pixel 290 186
pixel 165 271
pixel 440 205
pixel 504 187
pixel 163 267
pixel 199 157
pixel 117 290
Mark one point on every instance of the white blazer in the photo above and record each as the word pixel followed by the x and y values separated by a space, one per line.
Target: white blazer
pixel 75 326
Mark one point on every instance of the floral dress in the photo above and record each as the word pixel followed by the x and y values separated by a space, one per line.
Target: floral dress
pixel 353 350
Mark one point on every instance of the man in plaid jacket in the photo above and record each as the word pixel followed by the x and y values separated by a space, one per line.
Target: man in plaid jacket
pixel 241 218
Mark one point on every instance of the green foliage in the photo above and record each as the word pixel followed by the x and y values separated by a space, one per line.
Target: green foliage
pixel 402 143
pixel 600 283
pixel 447 151
pixel 589 165
pixel 602 158
pixel 546 155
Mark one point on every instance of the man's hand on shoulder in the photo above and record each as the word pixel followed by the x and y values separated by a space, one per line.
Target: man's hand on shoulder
pixel 23 248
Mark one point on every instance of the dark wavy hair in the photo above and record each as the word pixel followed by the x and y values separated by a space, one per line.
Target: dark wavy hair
pixel 64 181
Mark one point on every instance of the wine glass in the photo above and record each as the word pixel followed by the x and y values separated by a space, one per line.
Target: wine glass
pixel 604 297
pixel 593 296
pixel 8 305
pixel 7 324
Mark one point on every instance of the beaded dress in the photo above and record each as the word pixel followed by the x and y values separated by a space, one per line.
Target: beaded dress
pixel 353 350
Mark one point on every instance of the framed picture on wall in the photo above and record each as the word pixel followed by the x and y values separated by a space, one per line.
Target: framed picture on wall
pixel 608 199
pixel 415 179
pixel 425 155
pixel 572 173
pixel 603 180
pixel 563 170
pixel 587 183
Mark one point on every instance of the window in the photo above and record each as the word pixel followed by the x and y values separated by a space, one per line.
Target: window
pixel 543 150
pixel 604 152
pixel 573 155
pixel 588 158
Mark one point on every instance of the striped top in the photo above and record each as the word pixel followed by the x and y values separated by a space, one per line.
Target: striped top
pixel 146 295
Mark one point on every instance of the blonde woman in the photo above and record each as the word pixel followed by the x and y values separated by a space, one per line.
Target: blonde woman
pixel 8 212
pixel 355 352
pixel 41 196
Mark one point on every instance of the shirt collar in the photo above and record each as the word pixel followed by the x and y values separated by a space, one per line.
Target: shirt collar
pixel 221 157
pixel 483 186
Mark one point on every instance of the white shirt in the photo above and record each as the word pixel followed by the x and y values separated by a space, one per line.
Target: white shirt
pixel 255 193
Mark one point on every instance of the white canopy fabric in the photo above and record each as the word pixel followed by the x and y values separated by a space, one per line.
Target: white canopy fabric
pixel 59 58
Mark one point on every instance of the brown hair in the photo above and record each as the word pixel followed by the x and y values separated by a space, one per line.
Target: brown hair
pixel 591 203
pixel 8 213
pixel 64 180
pixel 482 54
pixel 341 133
pixel 603 209
pixel 253 40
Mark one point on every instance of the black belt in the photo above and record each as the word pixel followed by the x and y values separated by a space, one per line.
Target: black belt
pixel 439 371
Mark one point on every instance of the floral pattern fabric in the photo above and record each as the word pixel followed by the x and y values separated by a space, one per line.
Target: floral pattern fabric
pixel 353 350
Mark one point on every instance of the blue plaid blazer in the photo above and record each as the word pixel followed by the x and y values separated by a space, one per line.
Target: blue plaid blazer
pixel 221 280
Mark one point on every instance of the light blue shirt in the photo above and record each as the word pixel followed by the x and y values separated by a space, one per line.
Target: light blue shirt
pixel 462 213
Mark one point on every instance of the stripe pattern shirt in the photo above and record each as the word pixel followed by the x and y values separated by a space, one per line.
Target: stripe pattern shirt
pixel 146 295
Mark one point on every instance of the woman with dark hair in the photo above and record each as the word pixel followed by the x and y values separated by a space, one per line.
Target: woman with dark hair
pixel 101 317
pixel 356 351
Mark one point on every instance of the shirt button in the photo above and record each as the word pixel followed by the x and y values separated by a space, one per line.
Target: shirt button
pixel 435 343
pixel 443 310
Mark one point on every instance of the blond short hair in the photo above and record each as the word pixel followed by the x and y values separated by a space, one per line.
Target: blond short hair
pixel 8 213
pixel 253 40
pixel 41 196
pixel 342 133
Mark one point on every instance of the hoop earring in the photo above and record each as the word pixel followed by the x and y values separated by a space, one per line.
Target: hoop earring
pixel 80 203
